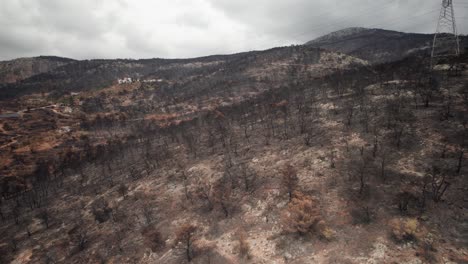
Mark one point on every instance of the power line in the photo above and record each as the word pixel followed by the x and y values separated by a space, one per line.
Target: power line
pixel 327 27
pixel 344 20
pixel 353 37
pixel 372 10
pixel 340 41
pixel 399 21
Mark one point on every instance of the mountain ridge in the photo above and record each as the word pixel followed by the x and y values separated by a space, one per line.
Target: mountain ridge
pixel 12 71
pixel 377 45
pixel 95 74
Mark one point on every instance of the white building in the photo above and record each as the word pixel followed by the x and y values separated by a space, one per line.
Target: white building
pixel 125 80
pixel 153 80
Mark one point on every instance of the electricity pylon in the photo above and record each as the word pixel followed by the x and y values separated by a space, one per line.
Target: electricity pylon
pixel 446 42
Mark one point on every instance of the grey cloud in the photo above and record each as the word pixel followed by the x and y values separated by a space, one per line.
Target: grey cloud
pixel 193 20
pixel 75 17
pixel 85 29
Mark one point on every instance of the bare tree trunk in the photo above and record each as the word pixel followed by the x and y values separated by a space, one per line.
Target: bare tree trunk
pixel 460 160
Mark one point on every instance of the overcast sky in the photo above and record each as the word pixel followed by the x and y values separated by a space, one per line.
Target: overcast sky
pixel 86 29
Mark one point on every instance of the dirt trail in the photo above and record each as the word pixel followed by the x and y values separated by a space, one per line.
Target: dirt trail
pixel 8 144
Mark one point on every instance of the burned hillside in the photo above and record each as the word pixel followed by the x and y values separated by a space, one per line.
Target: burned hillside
pixel 291 155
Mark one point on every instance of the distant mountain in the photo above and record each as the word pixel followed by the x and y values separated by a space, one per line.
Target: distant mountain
pixel 19 69
pixel 376 45
pixel 344 49
pixel 82 75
